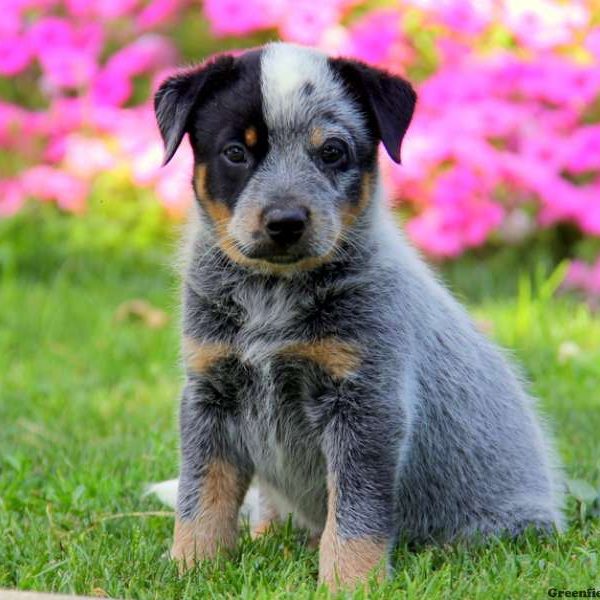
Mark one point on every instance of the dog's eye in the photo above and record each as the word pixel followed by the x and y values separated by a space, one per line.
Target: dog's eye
pixel 235 153
pixel 333 152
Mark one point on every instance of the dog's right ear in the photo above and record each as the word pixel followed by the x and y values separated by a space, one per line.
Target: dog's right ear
pixel 179 95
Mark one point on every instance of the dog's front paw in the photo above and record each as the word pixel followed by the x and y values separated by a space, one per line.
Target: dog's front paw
pixel 193 543
pixel 345 564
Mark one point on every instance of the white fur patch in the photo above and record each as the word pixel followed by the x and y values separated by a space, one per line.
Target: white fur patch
pixel 285 69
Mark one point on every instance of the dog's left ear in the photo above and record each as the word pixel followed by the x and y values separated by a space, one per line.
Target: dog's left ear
pixel 388 100
pixel 179 95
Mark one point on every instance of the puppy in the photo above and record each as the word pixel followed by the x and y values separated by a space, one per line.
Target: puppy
pixel 323 359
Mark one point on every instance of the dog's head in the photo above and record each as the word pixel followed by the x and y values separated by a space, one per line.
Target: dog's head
pixel 285 147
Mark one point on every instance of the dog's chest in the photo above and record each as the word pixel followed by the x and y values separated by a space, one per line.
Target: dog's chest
pixel 270 318
pixel 274 407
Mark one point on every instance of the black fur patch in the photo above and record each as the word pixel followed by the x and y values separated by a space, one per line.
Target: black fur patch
pixel 215 104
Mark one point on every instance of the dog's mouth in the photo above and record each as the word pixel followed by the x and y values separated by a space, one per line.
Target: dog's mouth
pixel 270 254
pixel 282 259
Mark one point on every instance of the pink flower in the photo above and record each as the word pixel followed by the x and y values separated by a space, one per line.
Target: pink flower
pixel 157 12
pixel 66 68
pixel 111 87
pixel 63 115
pixel 592 42
pixel 465 16
pixel 584 277
pixel 173 187
pixel 543 24
pixel 146 163
pixel 305 21
pixel 10 23
pixel 49 33
pixel 148 52
pixel 239 17
pixel 15 55
pixel 582 150
pixel 113 84
pixel 47 183
pixel 54 150
pixel 85 156
pixel 67 53
pixel 589 209
pixel 11 118
pixel 452 51
pixel 371 38
pixel 577 275
pixel 11 197
pixel 105 9
pixel 460 215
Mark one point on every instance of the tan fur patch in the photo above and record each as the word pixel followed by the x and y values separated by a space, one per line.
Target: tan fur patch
pixel 351 212
pixel 251 136
pixel 200 357
pixel 260 529
pixel 215 527
pixel 217 211
pixel 337 357
pixel 345 563
pixel 316 137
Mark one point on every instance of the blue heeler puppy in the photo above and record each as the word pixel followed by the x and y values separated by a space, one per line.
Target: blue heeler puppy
pixel 323 358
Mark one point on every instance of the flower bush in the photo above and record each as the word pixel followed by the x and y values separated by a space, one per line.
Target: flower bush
pixel 505 141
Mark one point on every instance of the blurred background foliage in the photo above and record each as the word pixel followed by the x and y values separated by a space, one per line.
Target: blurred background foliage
pixel 502 159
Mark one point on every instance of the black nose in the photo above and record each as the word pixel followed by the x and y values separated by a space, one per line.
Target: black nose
pixel 285 226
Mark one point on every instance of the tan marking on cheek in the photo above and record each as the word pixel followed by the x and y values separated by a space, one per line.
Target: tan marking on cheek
pixel 316 137
pixel 251 136
pixel 227 244
pixel 345 563
pixel 217 211
pixel 351 212
pixel 200 357
pixel 337 357
pixel 215 527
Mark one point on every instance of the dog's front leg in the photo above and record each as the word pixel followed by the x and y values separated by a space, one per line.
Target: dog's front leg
pixel 213 480
pixel 362 454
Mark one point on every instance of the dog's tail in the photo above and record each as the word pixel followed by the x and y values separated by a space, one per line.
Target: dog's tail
pixel 166 492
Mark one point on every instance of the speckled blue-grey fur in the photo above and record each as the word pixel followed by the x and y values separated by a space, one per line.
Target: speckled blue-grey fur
pixel 433 437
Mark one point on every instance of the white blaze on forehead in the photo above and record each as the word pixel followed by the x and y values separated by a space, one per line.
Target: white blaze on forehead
pixel 285 70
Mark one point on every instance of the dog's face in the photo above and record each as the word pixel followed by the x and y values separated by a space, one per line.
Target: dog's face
pixel 285 147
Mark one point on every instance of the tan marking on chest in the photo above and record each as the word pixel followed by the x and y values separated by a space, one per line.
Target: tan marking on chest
pixel 345 563
pixel 337 357
pixel 201 356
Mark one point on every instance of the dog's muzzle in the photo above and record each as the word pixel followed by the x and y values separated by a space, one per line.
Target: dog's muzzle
pixel 283 235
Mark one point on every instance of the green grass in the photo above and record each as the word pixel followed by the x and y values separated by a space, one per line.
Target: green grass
pixel 88 416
